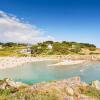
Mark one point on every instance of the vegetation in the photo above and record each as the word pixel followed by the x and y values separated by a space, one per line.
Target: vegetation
pixel 12 49
pixel 91 91
pixel 46 48
pixel 53 92
pixel 61 48
pixel 24 94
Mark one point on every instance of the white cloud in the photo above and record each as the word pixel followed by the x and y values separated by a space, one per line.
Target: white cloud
pixel 13 29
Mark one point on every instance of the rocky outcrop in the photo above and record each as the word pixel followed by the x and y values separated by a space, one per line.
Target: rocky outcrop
pixel 67 89
pixel 96 84
pixel 7 83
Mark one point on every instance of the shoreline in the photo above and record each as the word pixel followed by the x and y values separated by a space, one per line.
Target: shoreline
pixel 68 62
pixel 77 57
pixel 10 62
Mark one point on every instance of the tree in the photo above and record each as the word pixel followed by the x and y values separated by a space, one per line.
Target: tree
pixel 10 44
pixel 1 43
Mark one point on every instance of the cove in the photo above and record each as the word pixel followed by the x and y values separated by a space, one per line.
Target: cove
pixel 40 71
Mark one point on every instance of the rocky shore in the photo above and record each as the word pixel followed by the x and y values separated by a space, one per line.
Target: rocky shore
pixel 77 57
pixel 67 89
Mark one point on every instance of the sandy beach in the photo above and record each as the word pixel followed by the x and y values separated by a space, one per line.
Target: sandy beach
pixel 69 62
pixel 9 62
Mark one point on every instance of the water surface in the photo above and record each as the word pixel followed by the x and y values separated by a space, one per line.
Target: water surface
pixel 40 71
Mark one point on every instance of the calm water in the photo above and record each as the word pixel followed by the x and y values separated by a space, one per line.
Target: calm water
pixel 40 71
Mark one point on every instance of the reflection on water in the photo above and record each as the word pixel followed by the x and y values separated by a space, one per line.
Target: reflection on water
pixel 40 71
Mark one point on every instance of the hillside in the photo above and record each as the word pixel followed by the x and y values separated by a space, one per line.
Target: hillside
pixel 63 48
pixel 12 49
pixel 47 48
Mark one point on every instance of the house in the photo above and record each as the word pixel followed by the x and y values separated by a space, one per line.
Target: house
pixel 26 51
pixel 49 46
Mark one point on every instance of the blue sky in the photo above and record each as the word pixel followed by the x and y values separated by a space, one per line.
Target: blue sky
pixel 70 20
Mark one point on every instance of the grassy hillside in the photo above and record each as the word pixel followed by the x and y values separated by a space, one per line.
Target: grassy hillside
pixel 48 48
pixel 62 48
pixel 12 49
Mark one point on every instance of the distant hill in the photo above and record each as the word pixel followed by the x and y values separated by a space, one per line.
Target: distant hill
pixel 47 48
pixel 63 48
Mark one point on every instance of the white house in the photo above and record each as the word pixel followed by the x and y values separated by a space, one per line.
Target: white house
pixel 49 46
pixel 26 51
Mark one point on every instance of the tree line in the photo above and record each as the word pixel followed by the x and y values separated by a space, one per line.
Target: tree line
pixel 63 47
pixel 52 48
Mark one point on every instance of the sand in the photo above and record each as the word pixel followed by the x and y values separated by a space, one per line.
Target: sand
pixel 9 62
pixel 68 62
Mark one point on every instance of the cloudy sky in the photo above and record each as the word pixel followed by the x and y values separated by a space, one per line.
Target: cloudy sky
pixel 39 20
pixel 16 30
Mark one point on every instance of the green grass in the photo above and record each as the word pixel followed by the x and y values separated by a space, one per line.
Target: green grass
pixel 94 93
pixel 11 51
pixel 29 95
pixel 22 93
pixel 90 91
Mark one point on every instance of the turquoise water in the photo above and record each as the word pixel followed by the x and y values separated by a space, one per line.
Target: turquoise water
pixel 40 71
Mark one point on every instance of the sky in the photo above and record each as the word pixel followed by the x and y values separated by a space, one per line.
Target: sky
pixel 58 20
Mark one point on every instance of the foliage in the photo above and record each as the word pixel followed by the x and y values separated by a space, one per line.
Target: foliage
pixel 91 91
pixel 58 48
pixel 27 95
pixel 92 53
pixel 12 49
pixel 7 91
pixel 9 44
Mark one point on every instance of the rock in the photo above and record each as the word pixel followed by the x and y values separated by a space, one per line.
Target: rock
pixel 3 86
pixel 68 98
pixel 84 84
pixel 7 83
pixel 70 91
pixel 96 84
pixel 14 84
pixel 83 97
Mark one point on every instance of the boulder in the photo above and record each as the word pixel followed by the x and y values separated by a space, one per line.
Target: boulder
pixel 70 91
pixel 96 84
pixel 7 83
